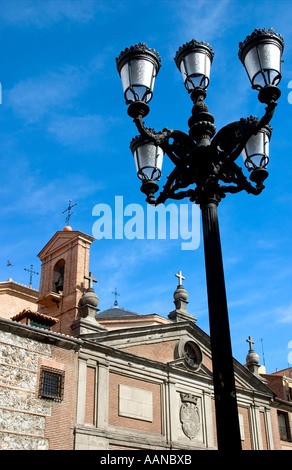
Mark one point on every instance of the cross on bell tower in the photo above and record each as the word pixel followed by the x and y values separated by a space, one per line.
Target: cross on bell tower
pixel 69 211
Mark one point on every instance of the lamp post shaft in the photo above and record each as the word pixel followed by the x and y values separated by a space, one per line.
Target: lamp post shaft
pixel 228 433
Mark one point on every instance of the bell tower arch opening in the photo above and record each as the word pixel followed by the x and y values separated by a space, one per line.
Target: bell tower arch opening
pixel 58 276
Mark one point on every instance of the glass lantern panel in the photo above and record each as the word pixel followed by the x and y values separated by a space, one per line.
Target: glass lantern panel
pixel 270 56
pixel 255 144
pixel 147 158
pixel 135 155
pixel 267 77
pixel 256 151
pixel 125 76
pixel 194 68
pixel 263 64
pixel 138 93
pixel 149 174
pixel 252 63
pixel 138 80
pixel 141 73
pixel 244 155
pixel 256 161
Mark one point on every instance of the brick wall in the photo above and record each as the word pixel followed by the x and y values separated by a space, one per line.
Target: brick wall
pixel 275 382
pixel 246 444
pixel 115 419
pixel 263 430
pixel 163 352
pixel 59 426
pixel 90 396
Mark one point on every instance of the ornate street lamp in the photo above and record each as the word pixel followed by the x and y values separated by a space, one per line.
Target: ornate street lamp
pixel 261 54
pixel 256 154
pixel 138 66
pixel 205 170
pixel 148 159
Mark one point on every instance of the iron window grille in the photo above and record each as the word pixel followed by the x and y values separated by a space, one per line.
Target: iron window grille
pixel 51 383
pixel 284 427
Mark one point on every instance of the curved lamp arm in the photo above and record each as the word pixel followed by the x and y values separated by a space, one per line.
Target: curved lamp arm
pixel 182 145
pixel 235 136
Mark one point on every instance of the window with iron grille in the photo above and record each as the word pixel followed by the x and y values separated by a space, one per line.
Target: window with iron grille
pixel 284 427
pixel 51 383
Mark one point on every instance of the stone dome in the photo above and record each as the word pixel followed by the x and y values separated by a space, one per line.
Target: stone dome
pixel 252 358
pixel 180 293
pixel 89 298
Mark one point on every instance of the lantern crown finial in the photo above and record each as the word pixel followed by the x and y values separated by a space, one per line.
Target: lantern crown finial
pixel 190 46
pixel 255 36
pixel 137 49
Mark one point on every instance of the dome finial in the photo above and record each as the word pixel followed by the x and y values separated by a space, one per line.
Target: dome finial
pixel 252 359
pixel 180 301
pixel 89 298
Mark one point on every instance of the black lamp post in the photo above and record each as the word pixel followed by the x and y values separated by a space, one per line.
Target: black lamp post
pixel 205 169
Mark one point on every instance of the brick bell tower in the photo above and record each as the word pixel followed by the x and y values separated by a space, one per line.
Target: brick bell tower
pixel 65 262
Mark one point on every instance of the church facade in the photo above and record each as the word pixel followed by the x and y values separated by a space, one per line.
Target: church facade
pixel 76 378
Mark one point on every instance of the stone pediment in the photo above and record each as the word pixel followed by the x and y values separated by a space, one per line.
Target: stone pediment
pixel 200 371
pixel 60 239
pixel 57 243
pixel 148 334
pixel 163 342
pixel 169 344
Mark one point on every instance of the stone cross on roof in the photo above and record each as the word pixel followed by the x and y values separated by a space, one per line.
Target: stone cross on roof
pixel 90 279
pixel 115 294
pixel 249 340
pixel 180 278
pixel 31 272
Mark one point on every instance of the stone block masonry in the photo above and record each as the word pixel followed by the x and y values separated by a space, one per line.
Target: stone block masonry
pixel 27 421
pixel 22 414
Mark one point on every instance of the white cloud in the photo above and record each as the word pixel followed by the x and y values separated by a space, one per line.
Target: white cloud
pixel 284 313
pixel 204 20
pixel 42 13
pixel 41 197
pixel 46 99
pixel 33 98
pixel 79 132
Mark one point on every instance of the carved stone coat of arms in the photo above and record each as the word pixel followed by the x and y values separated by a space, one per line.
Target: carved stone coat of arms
pixel 189 415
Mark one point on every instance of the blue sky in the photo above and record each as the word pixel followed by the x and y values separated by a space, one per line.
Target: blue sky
pixel 65 134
